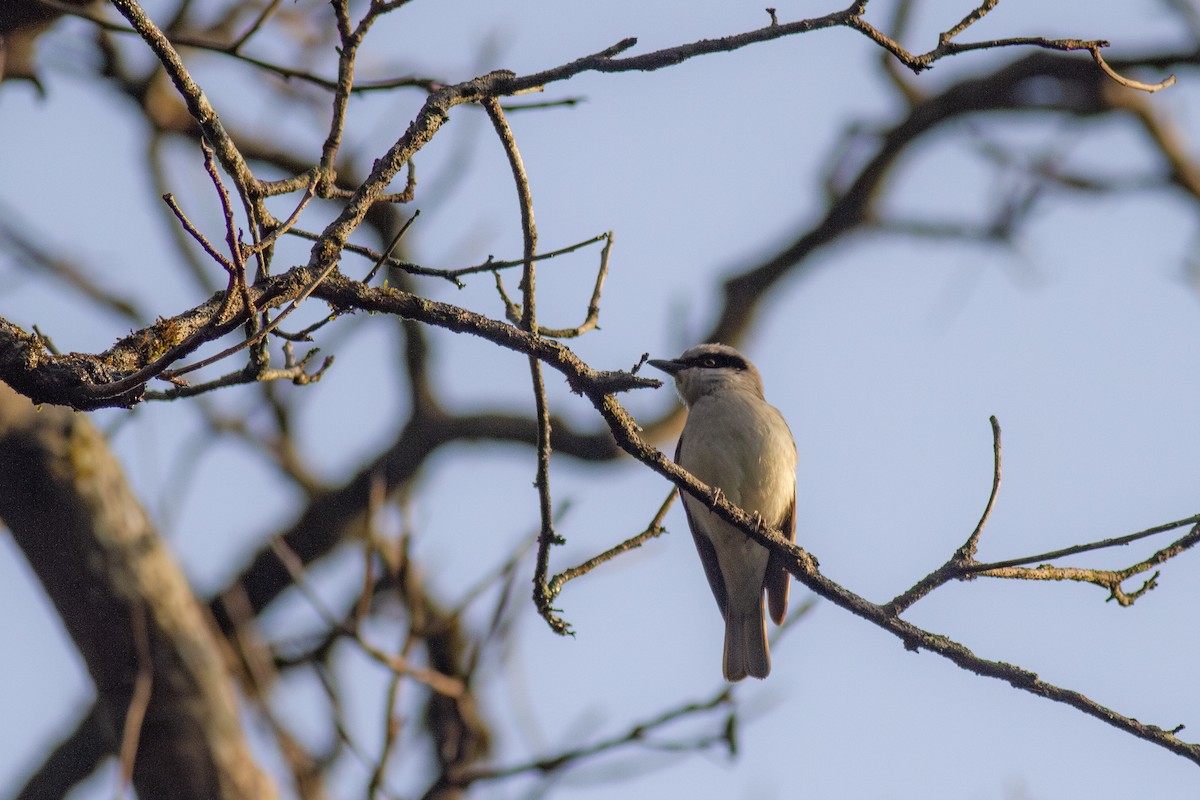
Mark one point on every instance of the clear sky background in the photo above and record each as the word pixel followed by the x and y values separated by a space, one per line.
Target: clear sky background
pixel 887 360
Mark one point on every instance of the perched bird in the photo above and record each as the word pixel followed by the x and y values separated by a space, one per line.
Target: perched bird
pixel 735 441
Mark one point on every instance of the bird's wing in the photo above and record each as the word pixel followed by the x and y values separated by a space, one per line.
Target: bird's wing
pixel 708 554
pixel 778 579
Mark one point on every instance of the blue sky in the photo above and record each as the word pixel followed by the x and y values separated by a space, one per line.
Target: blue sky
pixel 887 358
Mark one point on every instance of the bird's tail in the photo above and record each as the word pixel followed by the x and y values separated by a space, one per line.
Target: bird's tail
pixel 746 651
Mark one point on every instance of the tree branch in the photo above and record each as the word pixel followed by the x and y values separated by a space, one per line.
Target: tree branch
pixel 801 564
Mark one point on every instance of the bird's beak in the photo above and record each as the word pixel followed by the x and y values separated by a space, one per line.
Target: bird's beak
pixel 667 366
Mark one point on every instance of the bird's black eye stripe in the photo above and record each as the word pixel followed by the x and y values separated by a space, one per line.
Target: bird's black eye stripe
pixel 717 361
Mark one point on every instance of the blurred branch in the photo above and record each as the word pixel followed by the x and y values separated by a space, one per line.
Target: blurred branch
pixel 338 515
pixel 73 759
pixel 37 257
pixel 1079 90
pixel 1166 138
pixel 135 715
pixel 65 500
pixel 268 10
pixel 442 684
pixel 639 733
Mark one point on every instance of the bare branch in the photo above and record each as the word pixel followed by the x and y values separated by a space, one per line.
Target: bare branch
pixel 547 537
pixel 971 545
pixel 117 377
pixel 20 242
pixel 453 275
pixel 1107 579
pixel 290 222
pixel 296 371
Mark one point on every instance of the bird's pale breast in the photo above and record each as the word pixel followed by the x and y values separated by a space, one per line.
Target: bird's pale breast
pixel 743 446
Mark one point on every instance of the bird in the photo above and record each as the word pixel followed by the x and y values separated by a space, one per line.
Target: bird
pixel 738 443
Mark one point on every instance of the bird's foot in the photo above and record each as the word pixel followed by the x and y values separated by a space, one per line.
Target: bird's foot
pixel 716 497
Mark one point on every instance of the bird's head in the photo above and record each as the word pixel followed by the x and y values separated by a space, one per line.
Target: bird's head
pixel 710 368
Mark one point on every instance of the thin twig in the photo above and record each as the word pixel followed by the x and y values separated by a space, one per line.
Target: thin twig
pixel 237 268
pixel 262 334
pixel 958 563
pixel 591 321
pixel 293 370
pixel 255 26
pixel 206 43
pixel 512 311
pixel 970 19
pixel 653 529
pixel 196 234
pixel 310 191
pixel 492 265
pixel 528 287
pixel 387 253
pixel 972 544
pixel 547 537
pixel 1117 541
pixel 452 275
pixel 1104 578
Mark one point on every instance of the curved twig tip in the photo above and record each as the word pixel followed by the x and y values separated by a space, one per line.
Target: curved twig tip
pixel 1128 82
